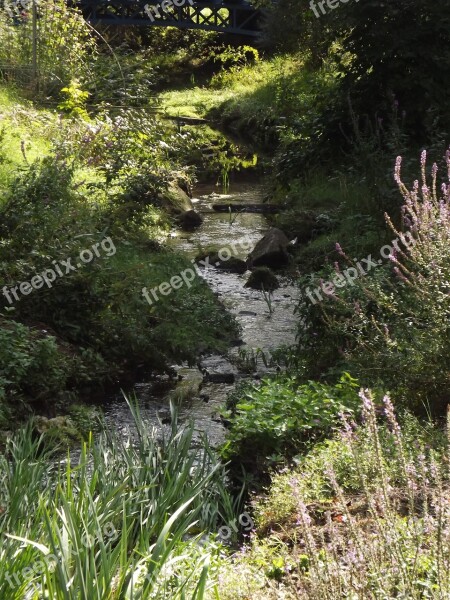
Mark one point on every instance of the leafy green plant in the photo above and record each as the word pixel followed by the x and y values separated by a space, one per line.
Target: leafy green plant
pixel 30 364
pixel 282 417
pixel 248 359
pixel 75 98
pixel 66 47
pixel 232 56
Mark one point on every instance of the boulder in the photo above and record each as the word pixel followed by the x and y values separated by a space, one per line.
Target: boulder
pixel 232 265
pixel 191 219
pixel 184 183
pixel 175 200
pixel 270 251
pixel 227 378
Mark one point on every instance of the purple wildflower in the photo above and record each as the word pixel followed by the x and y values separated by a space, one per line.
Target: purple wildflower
pixel 339 249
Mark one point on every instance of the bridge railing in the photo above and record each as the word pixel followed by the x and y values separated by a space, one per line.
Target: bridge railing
pixel 231 16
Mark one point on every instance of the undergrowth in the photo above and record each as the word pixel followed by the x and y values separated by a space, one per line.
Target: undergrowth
pixel 364 515
pixel 124 520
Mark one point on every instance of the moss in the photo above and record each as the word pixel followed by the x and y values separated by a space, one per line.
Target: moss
pixel 262 278
pixel 174 200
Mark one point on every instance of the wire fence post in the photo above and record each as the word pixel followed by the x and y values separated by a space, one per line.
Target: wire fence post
pixel 34 63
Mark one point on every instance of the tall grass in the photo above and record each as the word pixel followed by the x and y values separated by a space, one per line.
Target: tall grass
pixel 24 129
pixel 124 522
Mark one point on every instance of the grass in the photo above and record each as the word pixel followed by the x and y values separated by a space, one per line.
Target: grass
pixel 280 83
pixel 194 102
pixel 29 132
pixel 123 521
pixel 23 122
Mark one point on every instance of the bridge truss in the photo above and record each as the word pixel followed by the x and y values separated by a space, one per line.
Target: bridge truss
pixel 228 16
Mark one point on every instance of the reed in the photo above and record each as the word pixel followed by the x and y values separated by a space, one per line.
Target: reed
pixel 123 521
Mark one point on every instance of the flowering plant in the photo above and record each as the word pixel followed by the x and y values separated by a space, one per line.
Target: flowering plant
pixel 393 326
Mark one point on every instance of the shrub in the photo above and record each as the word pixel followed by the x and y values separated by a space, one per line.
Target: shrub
pixel 393 45
pixel 74 102
pixel 125 78
pixel 391 327
pixel 362 516
pixel 41 368
pixel 29 363
pixel 41 201
pixel 290 25
pixel 281 417
pixel 231 57
pixel 66 47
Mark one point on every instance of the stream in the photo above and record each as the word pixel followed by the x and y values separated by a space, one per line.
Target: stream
pixel 202 391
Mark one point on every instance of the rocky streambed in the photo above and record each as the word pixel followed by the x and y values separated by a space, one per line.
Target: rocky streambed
pixel 267 321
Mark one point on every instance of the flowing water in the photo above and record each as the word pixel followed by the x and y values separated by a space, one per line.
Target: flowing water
pixel 202 391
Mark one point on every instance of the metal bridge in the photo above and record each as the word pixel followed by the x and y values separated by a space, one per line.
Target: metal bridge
pixel 227 16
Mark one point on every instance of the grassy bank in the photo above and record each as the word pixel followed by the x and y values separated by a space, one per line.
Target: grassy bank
pixel 259 99
pixel 25 129
pixel 68 184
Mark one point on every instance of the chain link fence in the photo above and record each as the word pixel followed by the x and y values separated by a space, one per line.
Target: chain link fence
pixel 44 44
pixel 24 77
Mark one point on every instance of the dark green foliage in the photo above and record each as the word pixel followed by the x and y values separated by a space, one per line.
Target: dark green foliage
pixel 396 51
pixel 281 417
pixel 30 363
pixel 96 310
pixel 389 63
pixel 290 25
pixel 402 55
pixel 263 278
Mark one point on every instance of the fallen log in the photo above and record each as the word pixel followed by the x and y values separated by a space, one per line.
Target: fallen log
pixel 247 208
